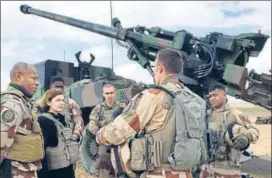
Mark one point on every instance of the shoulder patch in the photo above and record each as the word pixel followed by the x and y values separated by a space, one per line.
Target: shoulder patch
pixel 154 91
pixel 7 116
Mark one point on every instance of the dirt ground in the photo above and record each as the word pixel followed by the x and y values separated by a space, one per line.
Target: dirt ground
pixel 81 173
pixel 262 147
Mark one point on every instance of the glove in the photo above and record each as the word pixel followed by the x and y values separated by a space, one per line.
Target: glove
pixel 241 143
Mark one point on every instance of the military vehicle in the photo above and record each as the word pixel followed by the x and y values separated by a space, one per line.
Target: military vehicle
pixel 263 120
pixel 215 58
pixel 84 84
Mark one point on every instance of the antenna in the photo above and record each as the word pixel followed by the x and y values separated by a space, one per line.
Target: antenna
pixel 64 56
pixel 111 38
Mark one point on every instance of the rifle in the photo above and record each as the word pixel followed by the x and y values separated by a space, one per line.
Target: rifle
pixel 211 136
pixel 215 58
pixel 212 145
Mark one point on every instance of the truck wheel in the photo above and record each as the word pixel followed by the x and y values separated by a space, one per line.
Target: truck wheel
pixel 89 151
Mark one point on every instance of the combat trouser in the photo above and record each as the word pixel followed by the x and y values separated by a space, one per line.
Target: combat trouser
pixel 104 164
pixel 169 174
pixel 9 171
pixel 220 170
pixel 16 173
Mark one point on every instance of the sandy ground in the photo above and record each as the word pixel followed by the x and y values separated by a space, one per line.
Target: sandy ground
pixel 262 147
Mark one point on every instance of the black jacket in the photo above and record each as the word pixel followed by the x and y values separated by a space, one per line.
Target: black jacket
pixel 49 132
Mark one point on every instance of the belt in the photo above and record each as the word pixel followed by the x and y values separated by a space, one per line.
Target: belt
pixel 216 174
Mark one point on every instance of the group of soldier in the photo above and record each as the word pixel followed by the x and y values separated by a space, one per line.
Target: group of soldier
pixel 146 111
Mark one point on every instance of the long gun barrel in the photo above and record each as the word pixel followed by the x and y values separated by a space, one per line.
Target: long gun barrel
pixel 97 28
pixel 216 58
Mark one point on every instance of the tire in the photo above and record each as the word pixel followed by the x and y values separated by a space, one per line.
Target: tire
pixel 89 151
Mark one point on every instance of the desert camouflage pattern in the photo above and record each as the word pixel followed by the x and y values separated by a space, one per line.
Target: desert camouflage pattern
pixel 169 174
pixel 91 96
pixel 218 121
pixel 15 119
pixel 75 114
pixel 72 113
pixel 145 110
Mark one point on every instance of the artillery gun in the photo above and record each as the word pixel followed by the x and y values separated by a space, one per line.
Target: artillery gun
pixel 211 59
pixel 215 58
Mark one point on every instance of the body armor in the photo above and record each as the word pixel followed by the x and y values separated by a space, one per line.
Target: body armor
pixel 28 145
pixel 66 152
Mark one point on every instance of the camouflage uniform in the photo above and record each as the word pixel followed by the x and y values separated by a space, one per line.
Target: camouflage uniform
pixel 145 111
pixel 103 162
pixel 72 113
pixel 17 120
pixel 227 161
pixel 106 113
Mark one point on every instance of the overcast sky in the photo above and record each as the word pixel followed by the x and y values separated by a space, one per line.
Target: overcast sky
pixel 34 39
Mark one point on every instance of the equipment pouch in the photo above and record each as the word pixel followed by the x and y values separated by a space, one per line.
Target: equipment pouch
pixel 156 154
pixel 139 154
pixel 221 153
pixel 234 157
pixel 27 148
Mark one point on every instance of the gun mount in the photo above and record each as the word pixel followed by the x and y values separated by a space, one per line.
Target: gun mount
pixel 84 67
pixel 211 59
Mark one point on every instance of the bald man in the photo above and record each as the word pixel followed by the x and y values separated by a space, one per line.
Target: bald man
pixel 21 136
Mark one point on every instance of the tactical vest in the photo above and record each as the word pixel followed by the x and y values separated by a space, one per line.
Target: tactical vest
pixel 107 114
pixel 158 142
pixel 66 152
pixel 150 151
pixel 27 148
pixel 224 125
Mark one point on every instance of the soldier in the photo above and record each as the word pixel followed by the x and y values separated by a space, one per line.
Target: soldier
pixel 146 113
pixel 72 110
pixel 239 134
pixel 101 115
pixel 21 136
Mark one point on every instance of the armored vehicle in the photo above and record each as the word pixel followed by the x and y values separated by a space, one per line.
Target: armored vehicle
pixel 84 82
pixel 215 58
pixel 84 85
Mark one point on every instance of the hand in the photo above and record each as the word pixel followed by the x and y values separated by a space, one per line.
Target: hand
pixel 75 138
pixel 241 143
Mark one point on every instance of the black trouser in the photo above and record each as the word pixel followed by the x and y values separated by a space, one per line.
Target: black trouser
pixel 5 169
